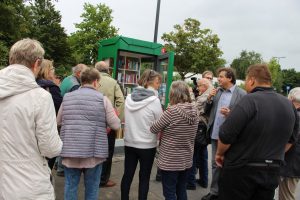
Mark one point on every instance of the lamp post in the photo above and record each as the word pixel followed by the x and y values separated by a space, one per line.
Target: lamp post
pixel 155 33
pixel 156 21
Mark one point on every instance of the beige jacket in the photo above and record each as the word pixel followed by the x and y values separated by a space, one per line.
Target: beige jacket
pixel 110 88
pixel 28 134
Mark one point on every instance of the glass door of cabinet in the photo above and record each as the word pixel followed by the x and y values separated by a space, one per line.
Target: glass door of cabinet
pixel 165 68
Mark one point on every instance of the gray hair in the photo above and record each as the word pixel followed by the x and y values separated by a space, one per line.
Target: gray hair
pixel 205 82
pixel 26 52
pixel 179 93
pixel 102 66
pixel 79 68
pixel 294 94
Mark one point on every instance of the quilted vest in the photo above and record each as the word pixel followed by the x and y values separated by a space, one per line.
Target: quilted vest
pixel 83 130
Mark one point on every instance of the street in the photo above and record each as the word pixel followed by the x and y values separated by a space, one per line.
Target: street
pixel 114 193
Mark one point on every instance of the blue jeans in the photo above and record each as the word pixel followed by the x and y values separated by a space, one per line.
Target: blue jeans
pixel 200 160
pixel 91 182
pixel 174 184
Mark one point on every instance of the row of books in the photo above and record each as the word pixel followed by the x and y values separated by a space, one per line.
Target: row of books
pixel 128 63
pixel 127 78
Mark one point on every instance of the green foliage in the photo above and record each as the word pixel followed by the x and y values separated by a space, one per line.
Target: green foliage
pixel 195 49
pixel 14 26
pixel 290 78
pixel 13 22
pixel 276 74
pixel 3 54
pixel 244 61
pixel 46 27
pixel 96 26
pixel 176 77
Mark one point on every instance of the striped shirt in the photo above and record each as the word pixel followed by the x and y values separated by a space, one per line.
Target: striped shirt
pixel 178 126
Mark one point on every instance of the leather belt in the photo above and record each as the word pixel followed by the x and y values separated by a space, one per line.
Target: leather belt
pixel 265 163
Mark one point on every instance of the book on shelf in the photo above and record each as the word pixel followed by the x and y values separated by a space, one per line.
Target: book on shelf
pixel 128 63
pixel 130 78
pixel 120 77
pixel 128 73
pixel 121 62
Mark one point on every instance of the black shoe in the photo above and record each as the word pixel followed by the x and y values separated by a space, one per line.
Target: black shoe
pixel 191 187
pixel 210 196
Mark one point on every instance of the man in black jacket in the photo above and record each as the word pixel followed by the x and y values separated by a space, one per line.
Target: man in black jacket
pixel 290 172
pixel 253 139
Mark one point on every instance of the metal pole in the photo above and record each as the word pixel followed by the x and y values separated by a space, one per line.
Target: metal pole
pixel 156 21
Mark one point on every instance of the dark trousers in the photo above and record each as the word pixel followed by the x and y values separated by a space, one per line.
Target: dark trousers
pixel 202 164
pixel 106 166
pixel 248 183
pixel 51 162
pixel 174 184
pixel 200 160
pixel 132 156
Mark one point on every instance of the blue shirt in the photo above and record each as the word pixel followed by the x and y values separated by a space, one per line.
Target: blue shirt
pixel 224 101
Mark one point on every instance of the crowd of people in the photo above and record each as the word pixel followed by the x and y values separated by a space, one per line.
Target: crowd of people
pixel 253 133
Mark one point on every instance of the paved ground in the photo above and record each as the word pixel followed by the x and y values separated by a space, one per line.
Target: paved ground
pixel 113 193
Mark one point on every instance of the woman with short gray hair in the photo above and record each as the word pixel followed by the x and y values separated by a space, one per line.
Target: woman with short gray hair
pixel 28 126
pixel 178 126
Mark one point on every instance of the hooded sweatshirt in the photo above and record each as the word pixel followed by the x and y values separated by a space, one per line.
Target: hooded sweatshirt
pixel 28 134
pixel 142 108
pixel 178 125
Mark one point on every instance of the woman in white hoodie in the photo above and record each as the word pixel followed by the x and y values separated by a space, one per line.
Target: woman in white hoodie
pixel 142 108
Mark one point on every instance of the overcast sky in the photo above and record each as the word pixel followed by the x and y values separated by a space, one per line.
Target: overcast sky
pixel 269 27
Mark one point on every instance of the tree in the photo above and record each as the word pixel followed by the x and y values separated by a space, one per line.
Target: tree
pixel 3 54
pixel 195 49
pixel 14 25
pixel 96 26
pixel 244 61
pixel 290 78
pixel 46 27
pixel 276 74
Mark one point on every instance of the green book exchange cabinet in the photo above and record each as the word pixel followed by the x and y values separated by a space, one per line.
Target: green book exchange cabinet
pixel 128 58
